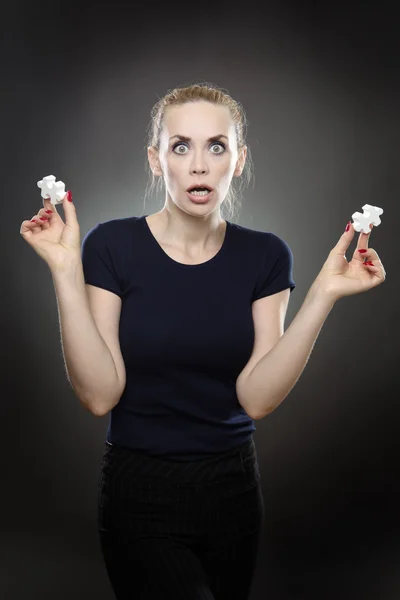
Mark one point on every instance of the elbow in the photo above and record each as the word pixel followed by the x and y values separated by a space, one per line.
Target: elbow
pixel 253 415
pixel 97 412
pixel 249 407
pixel 250 413
pixel 259 416
pixel 101 408
pixel 267 409
pixel 93 408
pixel 243 397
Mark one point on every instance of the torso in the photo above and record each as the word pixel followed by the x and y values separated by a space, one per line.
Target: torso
pixel 177 254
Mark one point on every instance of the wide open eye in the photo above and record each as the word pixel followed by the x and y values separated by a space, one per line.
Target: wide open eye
pixel 184 145
pixel 219 144
pixel 179 145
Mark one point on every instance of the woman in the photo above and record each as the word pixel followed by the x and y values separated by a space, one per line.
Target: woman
pixel 173 325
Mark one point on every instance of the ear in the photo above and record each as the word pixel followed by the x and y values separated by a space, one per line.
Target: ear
pixel 155 166
pixel 240 162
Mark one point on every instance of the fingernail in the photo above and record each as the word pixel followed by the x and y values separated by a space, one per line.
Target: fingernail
pixel 362 251
pixel 69 196
pixel 348 226
pixel 49 212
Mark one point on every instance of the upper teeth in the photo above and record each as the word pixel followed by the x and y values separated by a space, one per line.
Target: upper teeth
pixel 200 193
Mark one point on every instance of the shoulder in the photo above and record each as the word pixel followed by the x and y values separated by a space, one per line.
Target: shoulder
pixel 265 242
pixel 107 231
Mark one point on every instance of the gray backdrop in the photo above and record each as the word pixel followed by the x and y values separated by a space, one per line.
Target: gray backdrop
pixel 320 86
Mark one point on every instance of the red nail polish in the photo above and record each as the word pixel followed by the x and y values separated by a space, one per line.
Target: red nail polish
pixel 362 251
pixel 49 212
pixel 348 225
pixel 69 196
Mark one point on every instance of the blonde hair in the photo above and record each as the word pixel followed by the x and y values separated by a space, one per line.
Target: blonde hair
pixel 215 95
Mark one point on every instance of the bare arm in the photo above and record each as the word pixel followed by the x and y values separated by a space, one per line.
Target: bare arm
pixel 275 374
pixel 89 363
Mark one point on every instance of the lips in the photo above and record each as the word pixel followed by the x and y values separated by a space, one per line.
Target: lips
pixel 200 185
pixel 199 198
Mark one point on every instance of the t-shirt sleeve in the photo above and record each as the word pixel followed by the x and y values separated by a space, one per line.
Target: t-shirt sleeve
pixel 99 261
pixel 276 273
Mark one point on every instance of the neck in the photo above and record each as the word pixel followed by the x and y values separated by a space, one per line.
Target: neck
pixel 189 232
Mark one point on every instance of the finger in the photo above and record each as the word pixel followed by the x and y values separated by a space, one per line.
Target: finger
pixel 376 270
pixel 370 265
pixel 369 255
pixel 49 212
pixel 363 239
pixel 70 210
pixel 28 226
pixel 41 220
pixel 38 221
pixel 48 205
pixel 344 241
pixel 33 226
pixel 362 251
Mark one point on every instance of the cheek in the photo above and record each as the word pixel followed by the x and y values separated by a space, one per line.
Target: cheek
pixel 168 168
pixel 227 163
pixel 172 172
pixel 173 164
pixel 226 169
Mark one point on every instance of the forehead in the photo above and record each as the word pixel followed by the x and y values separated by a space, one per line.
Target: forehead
pixel 198 119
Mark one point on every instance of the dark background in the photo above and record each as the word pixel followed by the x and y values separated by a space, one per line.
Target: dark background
pixel 320 86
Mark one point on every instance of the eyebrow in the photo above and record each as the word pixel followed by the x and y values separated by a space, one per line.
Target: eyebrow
pixel 188 139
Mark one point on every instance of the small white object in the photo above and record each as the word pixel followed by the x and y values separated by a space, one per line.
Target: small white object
pixel 362 221
pixel 55 190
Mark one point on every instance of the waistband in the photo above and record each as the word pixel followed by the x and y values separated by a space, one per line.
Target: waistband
pixel 118 460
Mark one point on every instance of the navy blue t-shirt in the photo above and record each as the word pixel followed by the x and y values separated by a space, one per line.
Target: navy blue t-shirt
pixel 186 332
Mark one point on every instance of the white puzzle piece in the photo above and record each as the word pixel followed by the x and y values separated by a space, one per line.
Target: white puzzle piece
pixel 55 190
pixel 362 221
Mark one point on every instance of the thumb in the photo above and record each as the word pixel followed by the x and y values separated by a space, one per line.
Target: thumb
pixel 69 209
pixel 345 239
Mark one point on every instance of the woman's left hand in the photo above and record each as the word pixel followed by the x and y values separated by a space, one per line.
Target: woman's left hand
pixel 339 278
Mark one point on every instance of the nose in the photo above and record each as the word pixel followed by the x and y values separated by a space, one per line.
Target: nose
pixel 198 164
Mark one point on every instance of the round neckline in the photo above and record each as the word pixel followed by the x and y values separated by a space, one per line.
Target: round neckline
pixel 172 260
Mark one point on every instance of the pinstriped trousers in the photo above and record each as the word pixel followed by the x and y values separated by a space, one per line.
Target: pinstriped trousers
pixel 180 530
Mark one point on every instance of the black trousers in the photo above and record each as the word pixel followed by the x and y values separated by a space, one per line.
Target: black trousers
pixel 180 530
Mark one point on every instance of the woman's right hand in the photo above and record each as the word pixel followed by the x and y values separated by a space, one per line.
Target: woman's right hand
pixel 58 243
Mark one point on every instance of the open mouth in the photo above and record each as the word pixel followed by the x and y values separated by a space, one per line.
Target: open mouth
pixel 199 194
pixel 200 189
